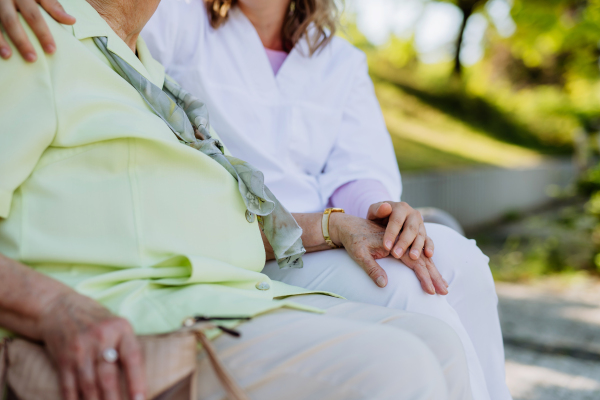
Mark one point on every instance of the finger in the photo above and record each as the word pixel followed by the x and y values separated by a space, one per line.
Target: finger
pixel 108 380
pixel 439 283
pixel 56 11
pixel 379 210
pixel 410 230
pixel 5 51
pixel 370 266
pixel 421 272
pixel 417 246
pixel 86 375
pixel 32 15
pixel 429 247
pixel 133 365
pixel 392 230
pixel 14 30
pixel 68 384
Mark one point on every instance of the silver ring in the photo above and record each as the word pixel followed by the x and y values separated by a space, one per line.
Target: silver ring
pixel 110 355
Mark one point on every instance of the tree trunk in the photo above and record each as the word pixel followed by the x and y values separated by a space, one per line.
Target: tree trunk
pixel 467 12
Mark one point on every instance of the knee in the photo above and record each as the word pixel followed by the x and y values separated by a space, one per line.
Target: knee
pixel 441 339
pixel 455 255
pixel 404 364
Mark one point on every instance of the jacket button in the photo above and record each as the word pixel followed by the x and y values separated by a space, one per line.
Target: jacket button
pixel 250 216
pixel 263 286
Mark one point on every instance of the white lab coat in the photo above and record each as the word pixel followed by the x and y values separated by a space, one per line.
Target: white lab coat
pixel 313 127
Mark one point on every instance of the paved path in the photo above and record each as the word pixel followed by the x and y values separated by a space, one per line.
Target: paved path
pixel 552 332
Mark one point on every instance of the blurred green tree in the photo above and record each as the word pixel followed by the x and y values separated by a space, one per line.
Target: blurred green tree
pixel 467 8
pixel 557 39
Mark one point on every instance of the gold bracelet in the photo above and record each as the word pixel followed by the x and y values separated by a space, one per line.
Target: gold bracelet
pixel 325 226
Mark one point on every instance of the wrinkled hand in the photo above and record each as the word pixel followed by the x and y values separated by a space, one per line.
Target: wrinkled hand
pixel 363 241
pixel 404 228
pixel 31 13
pixel 76 330
pixel 427 273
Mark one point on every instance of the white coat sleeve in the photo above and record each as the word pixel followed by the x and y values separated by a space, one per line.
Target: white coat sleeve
pixel 363 148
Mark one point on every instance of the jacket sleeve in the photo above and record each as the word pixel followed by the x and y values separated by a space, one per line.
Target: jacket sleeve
pixel 363 148
pixel 27 118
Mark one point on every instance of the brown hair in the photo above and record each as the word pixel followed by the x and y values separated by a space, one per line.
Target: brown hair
pixel 323 15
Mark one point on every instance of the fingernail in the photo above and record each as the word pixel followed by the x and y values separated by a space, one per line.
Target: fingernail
pixel 380 281
pixel 139 396
pixel 431 289
pixel 49 48
pixel 415 254
pixel 398 252
pixel 30 57
pixel 445 282
pixel 4 52
pixel 388 244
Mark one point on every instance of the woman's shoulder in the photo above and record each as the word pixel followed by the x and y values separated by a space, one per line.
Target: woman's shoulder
pixel 339 55
pixel 182 8
pixel 164 35
pixel 172 15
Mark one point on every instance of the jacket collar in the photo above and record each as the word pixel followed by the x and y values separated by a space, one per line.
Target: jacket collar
pixel 90 24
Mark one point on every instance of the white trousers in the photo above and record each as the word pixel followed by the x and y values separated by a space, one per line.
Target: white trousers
pixel 470 306
pixel 354 351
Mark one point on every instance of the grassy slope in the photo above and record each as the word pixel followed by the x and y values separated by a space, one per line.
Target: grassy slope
pixel 444 128
pixel 427 138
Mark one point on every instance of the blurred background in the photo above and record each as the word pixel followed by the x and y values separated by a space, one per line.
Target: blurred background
pixel 494 110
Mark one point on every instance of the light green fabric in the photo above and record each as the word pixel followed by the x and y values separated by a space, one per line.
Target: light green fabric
pixel 188 118
pixel 97 192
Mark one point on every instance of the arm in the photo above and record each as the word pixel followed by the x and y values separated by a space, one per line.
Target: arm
pixel 363 150
pixel 363 164
pixel 357 196
pixel 75 330
pixel 30 11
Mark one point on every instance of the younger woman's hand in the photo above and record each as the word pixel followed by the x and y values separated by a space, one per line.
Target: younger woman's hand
pixel 404 231
pixel 30 11
pixel 76 331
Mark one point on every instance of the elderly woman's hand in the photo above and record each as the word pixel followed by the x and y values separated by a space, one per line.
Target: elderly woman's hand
pixel 31 13
pixel 363 240
pixel 77 331
pixel 404 229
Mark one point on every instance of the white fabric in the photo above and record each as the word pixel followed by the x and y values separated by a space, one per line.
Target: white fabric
pixel 353 351
pixel 312 128
pixel 470 306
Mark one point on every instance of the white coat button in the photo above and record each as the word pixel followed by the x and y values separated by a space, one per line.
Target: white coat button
pixel 250 216
pixel 263 286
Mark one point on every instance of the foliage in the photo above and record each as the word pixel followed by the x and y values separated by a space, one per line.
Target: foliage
pixel 548 243
pixel 556 40
pixel 589 183
pixel 534 89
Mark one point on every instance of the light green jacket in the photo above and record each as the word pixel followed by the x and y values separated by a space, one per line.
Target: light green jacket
pixel 97 192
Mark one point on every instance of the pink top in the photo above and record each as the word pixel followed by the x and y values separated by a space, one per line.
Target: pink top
pixel 354 197
pixel 357 196
pixel 276 58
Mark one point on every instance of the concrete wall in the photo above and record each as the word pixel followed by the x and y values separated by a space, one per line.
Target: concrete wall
pixel 480 196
